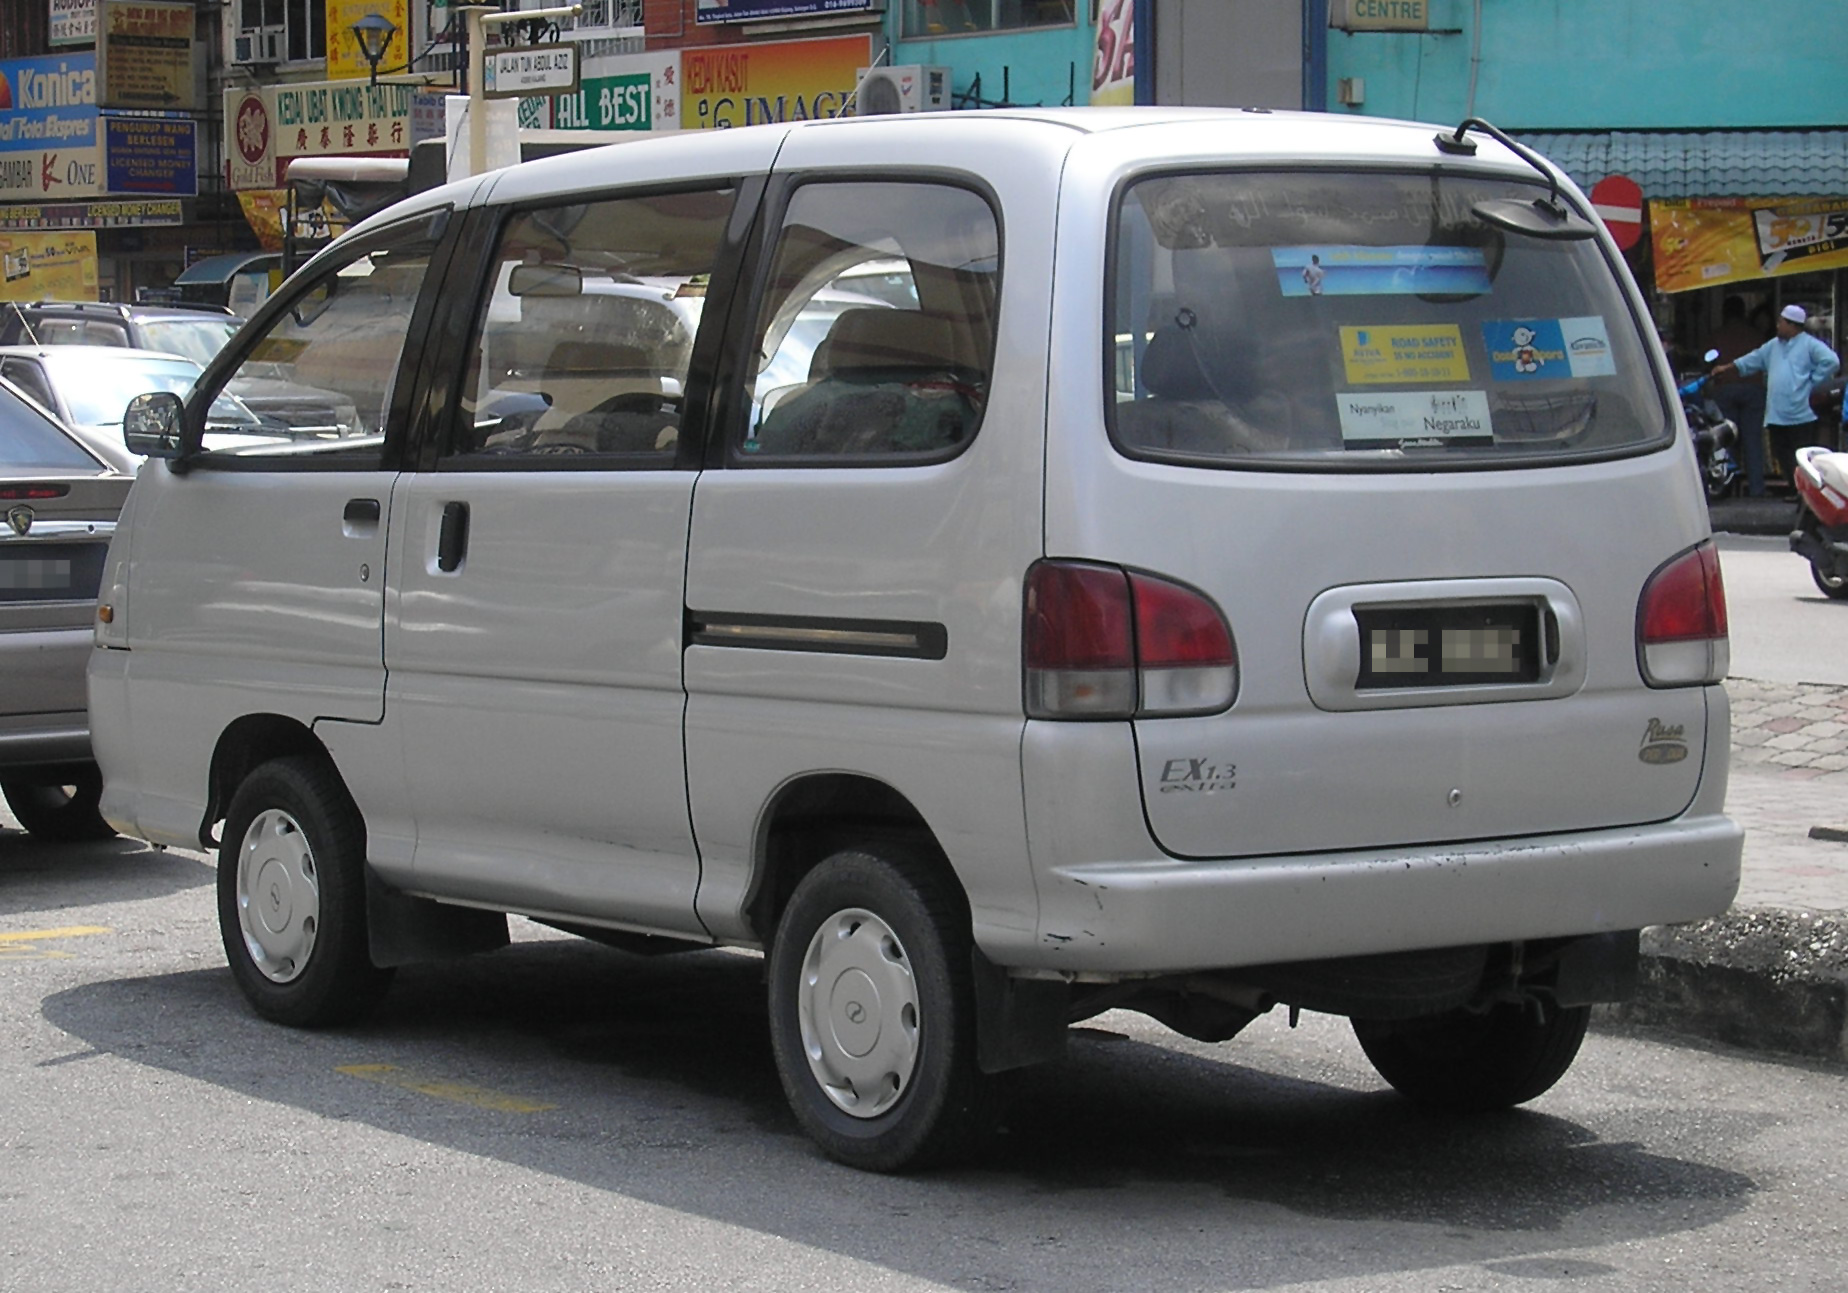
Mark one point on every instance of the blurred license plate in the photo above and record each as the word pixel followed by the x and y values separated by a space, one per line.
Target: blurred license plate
pixel 47 572
pixel 1448 646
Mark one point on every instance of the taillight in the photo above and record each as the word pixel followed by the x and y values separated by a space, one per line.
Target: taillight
pixel 1681 622
pixel 1102 642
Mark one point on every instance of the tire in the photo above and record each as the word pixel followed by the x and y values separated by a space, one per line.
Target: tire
pixel 292 897
pixel 60 813
pixel 1835 586
pixel 872 1014
pixel 1471 1063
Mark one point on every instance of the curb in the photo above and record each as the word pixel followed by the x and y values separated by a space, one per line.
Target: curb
pixel 1759 978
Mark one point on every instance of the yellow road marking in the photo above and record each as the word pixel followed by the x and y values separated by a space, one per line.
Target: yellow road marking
pixel 23 946
pixel 456 1092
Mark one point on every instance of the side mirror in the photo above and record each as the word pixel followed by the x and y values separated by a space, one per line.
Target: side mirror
pixel 152 424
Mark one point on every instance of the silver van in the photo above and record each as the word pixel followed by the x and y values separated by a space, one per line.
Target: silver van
pixel 1232 560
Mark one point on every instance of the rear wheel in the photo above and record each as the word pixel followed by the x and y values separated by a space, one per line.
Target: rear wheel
pixel 292 896
pixel 1469 1062
pixel 1833 585
pixel 62 813
pixel 872 1014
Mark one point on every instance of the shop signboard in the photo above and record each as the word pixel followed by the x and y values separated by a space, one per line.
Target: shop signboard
pixel 48 266
pixel 144 52
pixel 1708 242
pixel 1113 62
pixel 340 119
pixel 49 145
pixel 623 92
pixel 747 85
pixel 90 215
pixel 345 61
pixel 72 22
pixel 251 155
pixel 150 154
pixel 753 10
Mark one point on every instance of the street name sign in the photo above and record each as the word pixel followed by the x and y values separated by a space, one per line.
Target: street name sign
pixel 521 71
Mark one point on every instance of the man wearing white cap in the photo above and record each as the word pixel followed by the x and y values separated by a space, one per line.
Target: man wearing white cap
pixel 1794 362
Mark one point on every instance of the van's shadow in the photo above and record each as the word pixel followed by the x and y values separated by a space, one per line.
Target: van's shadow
pixel 39 875
pixel 661 1075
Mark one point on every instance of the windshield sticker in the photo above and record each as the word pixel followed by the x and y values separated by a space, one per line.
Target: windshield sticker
pixel 1414 420
pixel 1380 271
pixel 1522 349
pixel 1401 354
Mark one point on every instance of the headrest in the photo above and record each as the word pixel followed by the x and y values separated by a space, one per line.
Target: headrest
pixel 875 339
pixel 1171 368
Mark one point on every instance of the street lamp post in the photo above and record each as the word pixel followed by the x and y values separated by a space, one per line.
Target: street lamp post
pixel 374 33
pixel 480 18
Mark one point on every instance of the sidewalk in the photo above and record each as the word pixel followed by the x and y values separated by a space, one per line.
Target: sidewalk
pixel 1772 973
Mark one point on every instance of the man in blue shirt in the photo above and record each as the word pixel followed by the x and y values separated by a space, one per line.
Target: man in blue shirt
pixel 1794 363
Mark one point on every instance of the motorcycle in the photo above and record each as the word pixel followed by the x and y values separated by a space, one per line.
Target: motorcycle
pixel 1821 536
pixel 1715 435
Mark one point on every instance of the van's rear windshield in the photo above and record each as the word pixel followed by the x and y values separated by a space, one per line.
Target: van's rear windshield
pixel 1364 320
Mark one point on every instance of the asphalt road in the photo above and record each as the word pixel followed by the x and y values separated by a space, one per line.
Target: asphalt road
pixel 1782 628
pixel 557 1116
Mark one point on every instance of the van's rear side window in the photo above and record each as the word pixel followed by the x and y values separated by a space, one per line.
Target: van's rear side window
pixel 1363 320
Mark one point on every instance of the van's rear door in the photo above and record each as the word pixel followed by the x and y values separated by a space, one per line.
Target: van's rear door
pixel 1426 468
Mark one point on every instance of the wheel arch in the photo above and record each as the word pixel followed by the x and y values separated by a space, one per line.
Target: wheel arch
pixel 247 743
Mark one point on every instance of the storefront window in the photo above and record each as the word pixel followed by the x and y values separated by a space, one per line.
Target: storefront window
pixel 958 17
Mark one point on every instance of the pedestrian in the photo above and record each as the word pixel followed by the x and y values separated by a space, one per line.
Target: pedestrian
pixel 1794 363
pixel 1742 399
pixel 1313 274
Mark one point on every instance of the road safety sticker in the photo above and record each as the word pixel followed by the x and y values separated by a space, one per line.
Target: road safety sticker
pixel 1414 353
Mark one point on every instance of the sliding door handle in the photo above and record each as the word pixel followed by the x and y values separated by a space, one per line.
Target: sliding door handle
pixel 452 540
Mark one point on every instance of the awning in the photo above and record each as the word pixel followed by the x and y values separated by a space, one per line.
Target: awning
pixel 218 270
pixel 1703 163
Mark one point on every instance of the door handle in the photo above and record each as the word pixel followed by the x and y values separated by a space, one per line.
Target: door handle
pixel 452 539
pixel 361 517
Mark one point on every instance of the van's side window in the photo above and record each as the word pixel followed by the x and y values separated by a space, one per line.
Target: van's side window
pixel 318 385
pixel 589 327
pixel 876 335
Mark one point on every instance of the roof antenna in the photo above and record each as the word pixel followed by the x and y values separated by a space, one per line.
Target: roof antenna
pixel 849 107
pixel 25 323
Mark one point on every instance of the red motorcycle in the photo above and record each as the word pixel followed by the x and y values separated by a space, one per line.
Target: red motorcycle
pixel 1821 536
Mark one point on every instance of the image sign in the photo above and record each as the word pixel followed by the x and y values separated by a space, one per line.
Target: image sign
pixel 746 85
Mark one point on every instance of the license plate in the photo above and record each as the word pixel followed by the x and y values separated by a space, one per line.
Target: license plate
pixel 1448 646
pixel 51 572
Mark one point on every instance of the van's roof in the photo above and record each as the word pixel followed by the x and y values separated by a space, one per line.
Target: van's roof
pixel 1258 132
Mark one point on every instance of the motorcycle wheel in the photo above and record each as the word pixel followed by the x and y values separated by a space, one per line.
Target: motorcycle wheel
pixel 1832 585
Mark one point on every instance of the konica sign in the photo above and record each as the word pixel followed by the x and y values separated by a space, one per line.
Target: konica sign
pixel 49 142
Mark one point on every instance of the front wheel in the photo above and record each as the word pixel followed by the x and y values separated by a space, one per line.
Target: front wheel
pixel 292 896
pixel 64 813
pixel 1469 1062
pixel 1832 585
pixel 872 1014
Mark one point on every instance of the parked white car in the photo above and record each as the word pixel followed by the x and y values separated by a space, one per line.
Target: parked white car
pixel 1238 560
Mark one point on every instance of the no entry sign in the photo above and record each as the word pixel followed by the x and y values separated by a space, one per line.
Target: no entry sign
pixel 1618 200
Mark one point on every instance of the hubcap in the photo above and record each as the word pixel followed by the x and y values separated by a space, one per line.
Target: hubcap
pixel 858 1010
pixel 278 895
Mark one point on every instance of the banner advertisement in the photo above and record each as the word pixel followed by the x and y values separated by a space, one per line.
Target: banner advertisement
pixel 1113 62
pixel 623 92
pixel 747 85
pixel 264 211
pixel 1708 242
pixel 91 215
pixel 144 50
pixel 340 118
pixel 48 266
pixel 73 22
pixel 150 155
pixel 752 10
pixel 345 61
pixel 49 147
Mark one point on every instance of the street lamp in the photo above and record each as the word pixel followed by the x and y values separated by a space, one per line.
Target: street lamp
pixel 374 33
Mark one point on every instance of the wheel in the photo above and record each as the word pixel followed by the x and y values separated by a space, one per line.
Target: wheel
pixel 1835 586
pixel 872 1014
pixel 1470 1062
pixel 63 813
pixel 292 896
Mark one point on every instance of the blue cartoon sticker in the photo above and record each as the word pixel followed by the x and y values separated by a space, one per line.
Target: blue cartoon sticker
pixel 1524 349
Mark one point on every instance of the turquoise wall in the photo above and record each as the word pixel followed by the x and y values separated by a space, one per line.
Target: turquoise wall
pixel 1039 67
pixel 1610 64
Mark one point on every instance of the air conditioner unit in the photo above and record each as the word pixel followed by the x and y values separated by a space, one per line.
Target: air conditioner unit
pixel 257 45
pixel 908 87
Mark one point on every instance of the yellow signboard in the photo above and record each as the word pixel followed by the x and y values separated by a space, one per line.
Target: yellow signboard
pixel 145 49
pixel 1379 354
pixel 345 61
pixel 39 266
pixel 1706 242
pixel 789 80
